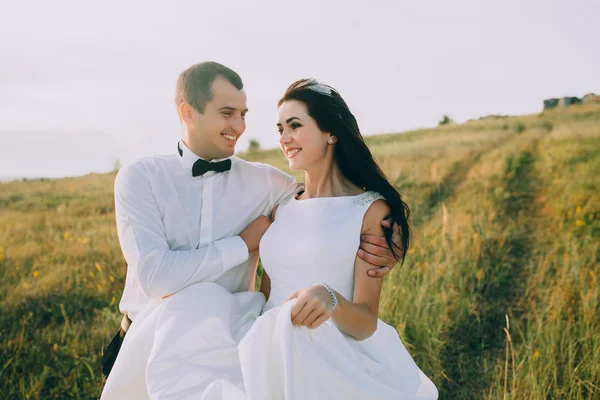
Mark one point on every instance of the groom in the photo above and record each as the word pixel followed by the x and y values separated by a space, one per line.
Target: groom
pixel 198 214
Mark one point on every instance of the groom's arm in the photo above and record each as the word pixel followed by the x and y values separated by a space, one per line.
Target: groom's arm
pixel 159 270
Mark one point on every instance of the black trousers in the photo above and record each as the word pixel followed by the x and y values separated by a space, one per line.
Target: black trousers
pixel 112 351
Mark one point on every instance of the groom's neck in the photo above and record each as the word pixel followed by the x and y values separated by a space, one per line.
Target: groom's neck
pixel 199 149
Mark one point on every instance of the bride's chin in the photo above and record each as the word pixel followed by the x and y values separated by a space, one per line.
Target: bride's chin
pixel 294 166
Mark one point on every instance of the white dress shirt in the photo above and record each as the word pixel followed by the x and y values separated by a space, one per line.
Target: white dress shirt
pixel 176 230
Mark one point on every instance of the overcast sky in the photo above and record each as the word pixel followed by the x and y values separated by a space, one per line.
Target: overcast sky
pixel 83 84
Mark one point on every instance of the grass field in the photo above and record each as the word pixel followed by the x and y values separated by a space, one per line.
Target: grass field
pixel 498 299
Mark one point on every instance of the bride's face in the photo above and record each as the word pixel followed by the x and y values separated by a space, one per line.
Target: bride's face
pixel 301 140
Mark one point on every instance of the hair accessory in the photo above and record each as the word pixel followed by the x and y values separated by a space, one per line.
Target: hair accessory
pixel 334 299
pixel 320 88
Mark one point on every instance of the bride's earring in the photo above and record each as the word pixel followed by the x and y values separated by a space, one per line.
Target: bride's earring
pixel 330 140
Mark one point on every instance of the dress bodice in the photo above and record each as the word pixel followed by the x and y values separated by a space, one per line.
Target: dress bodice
pixel 312 241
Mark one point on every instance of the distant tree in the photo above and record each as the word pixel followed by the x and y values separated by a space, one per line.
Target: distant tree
pixel 446 120
pixel 254 145
pixel 116 165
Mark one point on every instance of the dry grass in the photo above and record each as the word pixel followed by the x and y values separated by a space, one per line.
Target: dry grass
pixel 499 297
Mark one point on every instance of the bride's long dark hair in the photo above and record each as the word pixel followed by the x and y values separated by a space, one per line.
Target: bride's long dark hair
pixel 330 111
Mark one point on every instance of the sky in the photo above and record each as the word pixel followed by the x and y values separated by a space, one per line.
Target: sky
pixel 84 84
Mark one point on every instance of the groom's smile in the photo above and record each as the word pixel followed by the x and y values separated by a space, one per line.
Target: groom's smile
pixel 231 138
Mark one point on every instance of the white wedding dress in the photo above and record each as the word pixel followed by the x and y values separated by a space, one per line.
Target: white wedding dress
pixel 206 343
pixel 312 241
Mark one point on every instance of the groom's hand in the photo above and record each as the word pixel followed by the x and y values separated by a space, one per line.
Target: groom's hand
pixel 375 250
pixel 255 231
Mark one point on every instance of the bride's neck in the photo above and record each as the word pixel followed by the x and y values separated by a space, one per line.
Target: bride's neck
pixel 327 181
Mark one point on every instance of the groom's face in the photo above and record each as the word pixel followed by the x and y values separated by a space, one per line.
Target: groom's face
pixel 219 127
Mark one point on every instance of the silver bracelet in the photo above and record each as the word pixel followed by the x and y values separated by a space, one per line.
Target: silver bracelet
pixel 334 299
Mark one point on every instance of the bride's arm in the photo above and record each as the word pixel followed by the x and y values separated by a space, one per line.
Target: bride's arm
pixel 357 318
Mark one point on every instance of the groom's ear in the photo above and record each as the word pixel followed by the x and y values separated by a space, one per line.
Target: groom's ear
pixel 185 112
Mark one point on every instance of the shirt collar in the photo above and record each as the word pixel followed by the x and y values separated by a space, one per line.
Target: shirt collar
pixel 188 157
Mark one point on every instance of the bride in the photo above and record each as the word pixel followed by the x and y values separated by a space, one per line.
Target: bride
pixel 319 336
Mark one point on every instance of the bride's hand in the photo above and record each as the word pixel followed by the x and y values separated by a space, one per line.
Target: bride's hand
pixel 313 306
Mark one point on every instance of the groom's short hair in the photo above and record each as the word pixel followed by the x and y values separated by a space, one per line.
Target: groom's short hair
pixel 194 84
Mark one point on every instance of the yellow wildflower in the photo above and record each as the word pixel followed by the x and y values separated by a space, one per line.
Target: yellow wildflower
pixel 99 287
pixel 55 347
pixel 98 267
pixel 536 354
pixel 112 301
pixel 26 285
pixel 36 274
pixel 112 278
pixel 580 222
pixel 578 210
pixel 66 235
pixel 30 313
pixel 91 274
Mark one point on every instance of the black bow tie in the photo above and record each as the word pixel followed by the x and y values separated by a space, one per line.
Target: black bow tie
pixel 201 166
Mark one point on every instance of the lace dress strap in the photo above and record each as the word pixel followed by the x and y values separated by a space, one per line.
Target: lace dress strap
pixel 285 200
pixel 368 198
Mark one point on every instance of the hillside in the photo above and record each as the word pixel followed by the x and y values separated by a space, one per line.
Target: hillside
pixel 498 296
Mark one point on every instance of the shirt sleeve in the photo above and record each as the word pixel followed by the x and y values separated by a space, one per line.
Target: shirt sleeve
pixel 159 270
pixel 281 185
